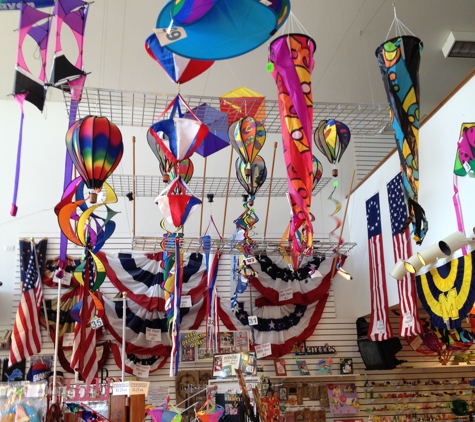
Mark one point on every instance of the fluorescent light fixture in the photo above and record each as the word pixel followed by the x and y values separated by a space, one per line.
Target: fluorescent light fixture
pixel 460 44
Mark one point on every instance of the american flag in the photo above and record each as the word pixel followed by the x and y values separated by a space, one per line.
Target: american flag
pixel 409 322
pixel 26 338
pixel 84 358
pixel 380 327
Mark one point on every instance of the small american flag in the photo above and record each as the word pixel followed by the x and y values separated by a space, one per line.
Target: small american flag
pixel 380 327
pixel 26 337
pixel 409 322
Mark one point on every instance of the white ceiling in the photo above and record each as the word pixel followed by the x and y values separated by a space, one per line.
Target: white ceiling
pixel 346 32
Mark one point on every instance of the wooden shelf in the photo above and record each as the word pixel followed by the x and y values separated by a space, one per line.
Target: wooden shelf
pixel 313 377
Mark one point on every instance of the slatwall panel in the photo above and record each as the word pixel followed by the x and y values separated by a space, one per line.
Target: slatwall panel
pixel 369 152
pixel 436 384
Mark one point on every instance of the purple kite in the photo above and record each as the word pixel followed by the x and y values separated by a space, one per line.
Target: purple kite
pixel 72 13
pixel 29 87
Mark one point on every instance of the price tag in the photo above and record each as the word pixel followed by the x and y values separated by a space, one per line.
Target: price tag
pixel 249 261
pixel 263 350
pixel 139 387
pixel 380 328
pixel 416 342
pixel 153 334
pixel 35 390
pixel 121 388
pixel 185 301
pixel 252 320
pixel 68 339
pixel 141 371
pixel 286 294
pixel 169 35
pixel 96 323
pixel 65 281
pixel 408 320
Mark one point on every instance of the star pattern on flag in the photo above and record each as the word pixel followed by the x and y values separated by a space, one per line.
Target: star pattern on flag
pixel 373 217
pixel 397 205
pixel 271 325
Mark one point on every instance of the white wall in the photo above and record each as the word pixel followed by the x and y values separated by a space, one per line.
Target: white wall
pixel 438 141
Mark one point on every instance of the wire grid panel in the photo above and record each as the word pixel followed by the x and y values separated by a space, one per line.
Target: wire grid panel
pixel 151 186
pixel 321 247
pixel 142 109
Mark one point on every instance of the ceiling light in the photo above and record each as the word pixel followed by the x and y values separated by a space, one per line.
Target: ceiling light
pixel 460 44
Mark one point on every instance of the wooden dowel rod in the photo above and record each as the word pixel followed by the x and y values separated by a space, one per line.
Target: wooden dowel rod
pixel 227 190
pixel 270 189
pixel 133 186
pixel 203 196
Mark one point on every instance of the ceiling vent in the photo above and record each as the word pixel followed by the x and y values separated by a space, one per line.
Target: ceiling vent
pixel 460 44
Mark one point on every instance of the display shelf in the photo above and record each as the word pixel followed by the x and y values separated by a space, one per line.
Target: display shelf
pixel 321 247
pixel 141 109
pixel 301 378
pixel 151 186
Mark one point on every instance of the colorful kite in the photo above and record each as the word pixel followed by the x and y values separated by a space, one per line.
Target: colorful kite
pixel 216 121
pixel 176 137
pixel 28 87
pixel 239 26
pixel 291 57
pixel 243 102
pixel 64 74
pixel 465 155
pixel 177 202
pixel 399 60
pixel 332 138
pixel 179 69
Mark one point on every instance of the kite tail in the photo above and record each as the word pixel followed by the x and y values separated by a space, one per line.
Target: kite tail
pixel 420 224
pixel 337 220
pixel 14 207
